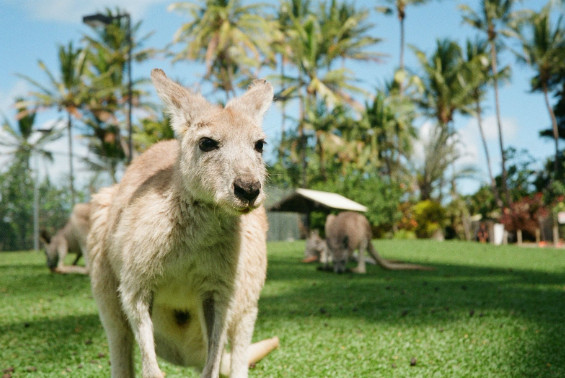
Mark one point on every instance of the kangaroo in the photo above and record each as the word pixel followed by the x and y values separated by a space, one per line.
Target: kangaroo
pixel 71 238
pixel 178 248
pixel 316 249
pixel 349 231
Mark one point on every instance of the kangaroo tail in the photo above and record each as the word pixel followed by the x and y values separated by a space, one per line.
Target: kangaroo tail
pixel 389 265
pixel 256 352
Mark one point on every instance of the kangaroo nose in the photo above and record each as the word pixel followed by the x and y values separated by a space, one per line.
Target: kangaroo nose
pixel 246 190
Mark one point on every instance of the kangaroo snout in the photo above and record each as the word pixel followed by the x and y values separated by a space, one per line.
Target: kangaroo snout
pixel 246 189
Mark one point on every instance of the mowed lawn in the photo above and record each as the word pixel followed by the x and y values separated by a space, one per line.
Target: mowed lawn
pixel 484 311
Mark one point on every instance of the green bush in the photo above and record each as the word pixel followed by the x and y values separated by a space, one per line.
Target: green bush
pixel 429 216
pixel 404 235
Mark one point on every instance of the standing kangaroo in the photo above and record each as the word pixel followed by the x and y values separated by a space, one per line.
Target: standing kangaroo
pixel 349 231
pixel 178 247
pixel 71 238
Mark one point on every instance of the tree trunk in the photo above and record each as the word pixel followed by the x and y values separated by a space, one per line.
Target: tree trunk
pixel 499 124
pixel 487 155
pixel 321 157
pixel 302 141
pixel 283 114
pixel 556 163
pixel 401 17
pixel 71 169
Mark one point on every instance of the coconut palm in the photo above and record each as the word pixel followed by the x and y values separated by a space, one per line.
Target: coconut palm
pixel 494 18
pixel 348 34
pixel 445 90
pixel 287 13
pixel 543 48
pixel 109 48
pixel 390 130
pixel 476 70
pixel 22 140
pixel 66 92
pixel 441 151
pixel 229 37
pixel 400 7
pixel 105 143
pixel 316 42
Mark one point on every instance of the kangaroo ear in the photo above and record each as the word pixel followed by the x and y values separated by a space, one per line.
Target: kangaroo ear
pixel 184 107
pixel 255 101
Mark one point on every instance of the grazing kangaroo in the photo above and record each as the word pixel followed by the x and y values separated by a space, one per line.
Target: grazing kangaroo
pixel 71 238
pixel 316 249
pixel 178 248
pixel 349 231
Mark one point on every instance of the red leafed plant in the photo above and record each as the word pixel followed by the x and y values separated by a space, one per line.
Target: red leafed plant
pixel 525 214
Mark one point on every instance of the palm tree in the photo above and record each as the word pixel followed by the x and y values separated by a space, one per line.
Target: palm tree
pixel 543 48
pixel 21 142
pixel 67 92
pixel 287 13
pixel 106 145
pixel 493 19
pixel 109 48
pixel 445 91
pixel 389 128
pixel 229 37
pixel 20 139
pixel 316 41
pixel 476 71
pixel 439 153
pixel 400 7
pixel 348 34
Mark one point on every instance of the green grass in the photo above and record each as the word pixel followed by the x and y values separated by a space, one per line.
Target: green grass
pixel 484 312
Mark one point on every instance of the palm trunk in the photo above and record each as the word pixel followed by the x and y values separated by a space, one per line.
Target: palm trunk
pixel 401 17
pixel 399 152
pixel 302 141
pixel 487 155
pixel 71 169
pixel 322 157
pixel 499 124
pixel 283 114
pixel 556 163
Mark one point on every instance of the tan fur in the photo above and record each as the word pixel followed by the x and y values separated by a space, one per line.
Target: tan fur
pixel 349 231
pixel 316 249
pixel 178 248
pixel 70 239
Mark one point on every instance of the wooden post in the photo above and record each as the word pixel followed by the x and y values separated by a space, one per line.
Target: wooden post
pixel 555 235
pixel 537 236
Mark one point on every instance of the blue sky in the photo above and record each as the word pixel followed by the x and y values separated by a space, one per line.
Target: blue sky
pixel 32 29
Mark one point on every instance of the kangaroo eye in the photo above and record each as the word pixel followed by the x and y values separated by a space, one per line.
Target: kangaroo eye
pixel 259 145
pixel 208 144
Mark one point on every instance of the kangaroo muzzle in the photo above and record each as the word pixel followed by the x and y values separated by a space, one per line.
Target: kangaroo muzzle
pixel 247 189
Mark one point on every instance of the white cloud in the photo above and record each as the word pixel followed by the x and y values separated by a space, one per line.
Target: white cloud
pixel 467 146
pixel 471 138
pixel 470 147
pixel 418 153
pixel 71 11
pixel 490 127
